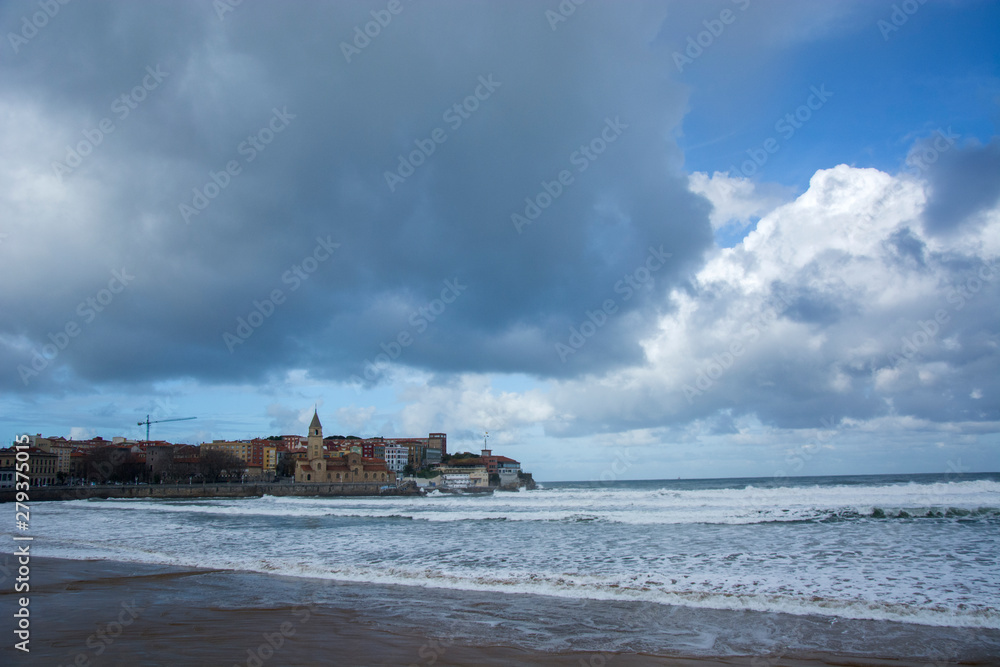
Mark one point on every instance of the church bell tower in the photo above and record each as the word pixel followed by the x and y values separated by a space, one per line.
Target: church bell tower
pixel 315 448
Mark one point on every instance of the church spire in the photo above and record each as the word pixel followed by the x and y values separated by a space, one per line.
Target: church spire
pixel 315 446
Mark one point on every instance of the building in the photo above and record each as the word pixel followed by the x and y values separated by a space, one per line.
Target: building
pixel 373 448
pixel 292 441
pixel 159 459
pixel 416 453
pixel 349 468
pixel 421 452
pixel 241 450
pixel 438 441
pixel 42 466
pixel 260 455
pixel 270 459
pixel 506 468
pixel 348 445
pixel 62 448
pixel 465 474
pixel 432 457
pixel 395 457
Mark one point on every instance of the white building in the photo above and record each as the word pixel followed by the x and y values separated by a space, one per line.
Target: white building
pixel 464 477
pixel 396 457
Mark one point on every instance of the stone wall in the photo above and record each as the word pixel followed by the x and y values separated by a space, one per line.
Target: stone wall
pixel 39 493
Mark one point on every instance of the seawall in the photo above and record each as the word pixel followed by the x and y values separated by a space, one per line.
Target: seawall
pixel 40 493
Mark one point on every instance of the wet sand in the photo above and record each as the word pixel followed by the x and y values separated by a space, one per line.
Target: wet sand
pixel 109 613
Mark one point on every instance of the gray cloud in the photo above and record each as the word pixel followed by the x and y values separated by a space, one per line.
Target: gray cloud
pixel 323 175
pixel 963 182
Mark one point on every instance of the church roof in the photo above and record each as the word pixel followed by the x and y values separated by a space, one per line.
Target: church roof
pixel 315 422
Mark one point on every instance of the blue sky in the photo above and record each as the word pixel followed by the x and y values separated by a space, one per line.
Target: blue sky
pixel 936 70
pixel 663 313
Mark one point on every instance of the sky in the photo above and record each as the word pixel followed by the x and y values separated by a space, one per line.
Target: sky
pixel 630 240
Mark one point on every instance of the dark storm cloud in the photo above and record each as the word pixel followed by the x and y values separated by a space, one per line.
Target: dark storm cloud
pixel 963 182
pixel 256 142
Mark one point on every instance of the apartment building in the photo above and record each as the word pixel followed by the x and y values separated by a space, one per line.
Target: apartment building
pixel 395 457
pixel 42 465
pixel 260 455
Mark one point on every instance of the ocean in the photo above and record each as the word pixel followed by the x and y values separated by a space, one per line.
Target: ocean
pixel 887 565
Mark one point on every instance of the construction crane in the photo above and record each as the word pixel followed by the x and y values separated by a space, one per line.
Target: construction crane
pixel 160 421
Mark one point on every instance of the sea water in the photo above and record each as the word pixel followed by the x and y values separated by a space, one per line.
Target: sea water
pixel 913 549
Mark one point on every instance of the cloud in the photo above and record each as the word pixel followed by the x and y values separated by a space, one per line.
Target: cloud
pixel 964 184
pixel 80 433
pixel 822 313
pixel 472 405
pixel 285 420
pixel 355 419
pixel 736 200
pixel 205 137
pixel 838 315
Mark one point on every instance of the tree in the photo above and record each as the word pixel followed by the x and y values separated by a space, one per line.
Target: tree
pixel 286 467
pixel 216 465
pixel 409 471
pixel 103 465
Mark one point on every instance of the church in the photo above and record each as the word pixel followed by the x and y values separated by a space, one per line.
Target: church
pixel 345 468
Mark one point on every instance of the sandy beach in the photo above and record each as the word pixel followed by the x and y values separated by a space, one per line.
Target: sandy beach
pixel 111 613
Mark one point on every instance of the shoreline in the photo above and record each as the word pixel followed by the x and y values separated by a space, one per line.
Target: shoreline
pixel 175 615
